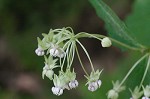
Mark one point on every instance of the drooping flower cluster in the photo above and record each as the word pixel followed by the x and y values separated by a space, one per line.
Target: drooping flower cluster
pixel 58 48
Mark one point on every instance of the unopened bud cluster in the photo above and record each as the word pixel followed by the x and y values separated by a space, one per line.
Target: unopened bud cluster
pixel 58 48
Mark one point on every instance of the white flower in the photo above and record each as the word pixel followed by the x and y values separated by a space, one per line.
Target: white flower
pixel 54 52
pixel 57 52
pixel 70 77
pixel 112 94
pixel 59 84
pixel 39 51
pixel 145 98
pixel 106 42
pixel 93 86
pixel 93 80
pixel 57 90
pixel 73 84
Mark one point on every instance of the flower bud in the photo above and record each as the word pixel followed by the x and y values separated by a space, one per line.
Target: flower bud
pixel 39 52
pixel 112 94
pixel 106 42
pixel 57 91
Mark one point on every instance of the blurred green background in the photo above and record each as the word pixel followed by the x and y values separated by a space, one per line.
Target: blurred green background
pixel 22 21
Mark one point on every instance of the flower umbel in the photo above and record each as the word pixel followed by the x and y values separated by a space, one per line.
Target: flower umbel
pixel 60 47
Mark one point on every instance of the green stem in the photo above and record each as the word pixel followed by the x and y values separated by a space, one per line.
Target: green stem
pixel 70 56
pixel 63 39
pixel 72 32
pixel 68 44
pixel 73 53
pixel 133 67
pixel 99 37
pixel 146 70
pixel 81 62
pixel 92 67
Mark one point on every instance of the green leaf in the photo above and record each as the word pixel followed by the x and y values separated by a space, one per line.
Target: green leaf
pixel 139 21
pixel 137 74
pixel 116 28
pixel 135 77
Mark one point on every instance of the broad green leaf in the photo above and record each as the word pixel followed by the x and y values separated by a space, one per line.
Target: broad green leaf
pixel 139 21
pixel 116 28
pixel 136 77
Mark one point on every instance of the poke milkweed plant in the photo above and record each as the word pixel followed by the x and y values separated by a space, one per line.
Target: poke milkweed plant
pixel 59 47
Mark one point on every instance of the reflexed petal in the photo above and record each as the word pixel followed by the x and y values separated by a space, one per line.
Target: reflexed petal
pixel 43 73
pixel 99 82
